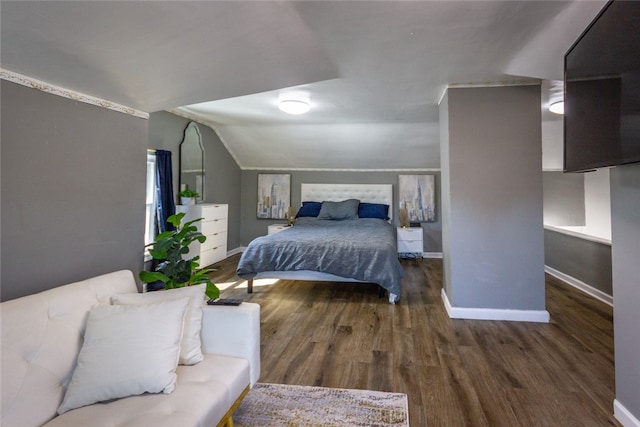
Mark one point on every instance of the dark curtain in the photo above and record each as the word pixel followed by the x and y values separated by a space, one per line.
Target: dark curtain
pixel 165 204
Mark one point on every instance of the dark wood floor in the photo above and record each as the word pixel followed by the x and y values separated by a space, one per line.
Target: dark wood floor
pixel 455 372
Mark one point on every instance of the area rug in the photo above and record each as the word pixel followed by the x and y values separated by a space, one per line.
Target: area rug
pixel 293 406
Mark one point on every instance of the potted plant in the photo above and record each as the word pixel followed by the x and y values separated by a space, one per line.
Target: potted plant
pixel 174 270
pixel 188 197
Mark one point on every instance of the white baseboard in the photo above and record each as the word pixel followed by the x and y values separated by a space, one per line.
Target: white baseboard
pixel 587 289
pixel 237 250
pixel 411 255
pixel 625 417
pixel 538 316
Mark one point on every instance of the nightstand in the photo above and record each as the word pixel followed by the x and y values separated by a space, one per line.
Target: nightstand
pixel 276 228
pixel 410 240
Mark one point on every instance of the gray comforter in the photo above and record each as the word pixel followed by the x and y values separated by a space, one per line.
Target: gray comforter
pixel 361 249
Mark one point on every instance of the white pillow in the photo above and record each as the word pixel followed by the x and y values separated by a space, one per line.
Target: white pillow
pixel 127 350
pixel 190 348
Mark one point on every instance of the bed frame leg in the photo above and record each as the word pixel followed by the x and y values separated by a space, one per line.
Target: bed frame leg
pixel 250 286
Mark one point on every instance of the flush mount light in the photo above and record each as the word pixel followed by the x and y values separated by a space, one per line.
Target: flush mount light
pixel 557 107
pixel 294 106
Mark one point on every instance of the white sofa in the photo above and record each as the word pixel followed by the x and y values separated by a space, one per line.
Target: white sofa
pixel 42 335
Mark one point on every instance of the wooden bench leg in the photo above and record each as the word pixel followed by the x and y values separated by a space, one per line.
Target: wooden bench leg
pixel 250 286
pixel 227 420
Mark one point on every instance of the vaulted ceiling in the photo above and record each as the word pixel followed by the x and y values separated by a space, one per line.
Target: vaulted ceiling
pixel 374 72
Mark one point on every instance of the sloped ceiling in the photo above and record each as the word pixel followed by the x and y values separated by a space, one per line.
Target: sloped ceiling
pixel 373 71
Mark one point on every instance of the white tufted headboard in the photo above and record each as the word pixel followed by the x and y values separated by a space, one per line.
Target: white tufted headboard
pixel 369 193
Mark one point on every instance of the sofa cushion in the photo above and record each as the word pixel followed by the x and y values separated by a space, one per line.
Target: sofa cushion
pixel 190 346
pixel 127 350
pixel 203 394
pixel 41 338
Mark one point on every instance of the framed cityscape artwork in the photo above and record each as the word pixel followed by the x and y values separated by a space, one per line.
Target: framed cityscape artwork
pixel 274 195
pixel 417 196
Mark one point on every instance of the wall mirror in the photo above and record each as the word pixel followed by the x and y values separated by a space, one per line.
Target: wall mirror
pixel 192 161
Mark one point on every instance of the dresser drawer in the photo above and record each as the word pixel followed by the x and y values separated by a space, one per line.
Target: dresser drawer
pixel 409 233
pixel 211 212
pixel 213 240
pixel 213 255
pixel 214 226
pixel 410 246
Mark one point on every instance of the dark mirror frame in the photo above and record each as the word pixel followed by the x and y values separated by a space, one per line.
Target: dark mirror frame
pixel 189 173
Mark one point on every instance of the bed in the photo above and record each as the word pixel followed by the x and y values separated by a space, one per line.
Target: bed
pixel 333 249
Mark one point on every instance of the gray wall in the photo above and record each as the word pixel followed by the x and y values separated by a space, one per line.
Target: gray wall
pixel 165 133
pixel 625 227
pixel 563 198
pixel 492 158
pixel 445 161
pixel 73 190
pixel 585 260
pixel 253 227
pixel 222 174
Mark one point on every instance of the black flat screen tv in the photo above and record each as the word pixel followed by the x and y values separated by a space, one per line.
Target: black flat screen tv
pixel 602 91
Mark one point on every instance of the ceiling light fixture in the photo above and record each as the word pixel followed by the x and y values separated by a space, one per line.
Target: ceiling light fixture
pixel 294 106
pixel 557 107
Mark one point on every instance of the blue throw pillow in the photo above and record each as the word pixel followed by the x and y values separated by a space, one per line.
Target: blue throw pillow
pixel 309 209
pixel 373 210
pixel 346 209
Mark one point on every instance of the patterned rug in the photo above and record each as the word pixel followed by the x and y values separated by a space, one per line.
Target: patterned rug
pixel 296 406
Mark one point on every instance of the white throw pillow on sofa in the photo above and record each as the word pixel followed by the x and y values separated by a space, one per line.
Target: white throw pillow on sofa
pixel 127 350
pixel 191 346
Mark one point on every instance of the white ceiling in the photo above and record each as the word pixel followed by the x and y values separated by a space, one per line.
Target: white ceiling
pixel 374 71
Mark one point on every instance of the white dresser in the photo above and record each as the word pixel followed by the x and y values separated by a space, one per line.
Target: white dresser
pixel 410 240
pixel 213 225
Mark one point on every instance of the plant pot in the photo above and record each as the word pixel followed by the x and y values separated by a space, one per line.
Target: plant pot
pixel 187 201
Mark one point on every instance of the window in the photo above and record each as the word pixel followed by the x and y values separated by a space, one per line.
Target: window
pixel 150 217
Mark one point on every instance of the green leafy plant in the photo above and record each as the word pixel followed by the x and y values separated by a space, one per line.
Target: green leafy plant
pixel 174 271
pixel 188 193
